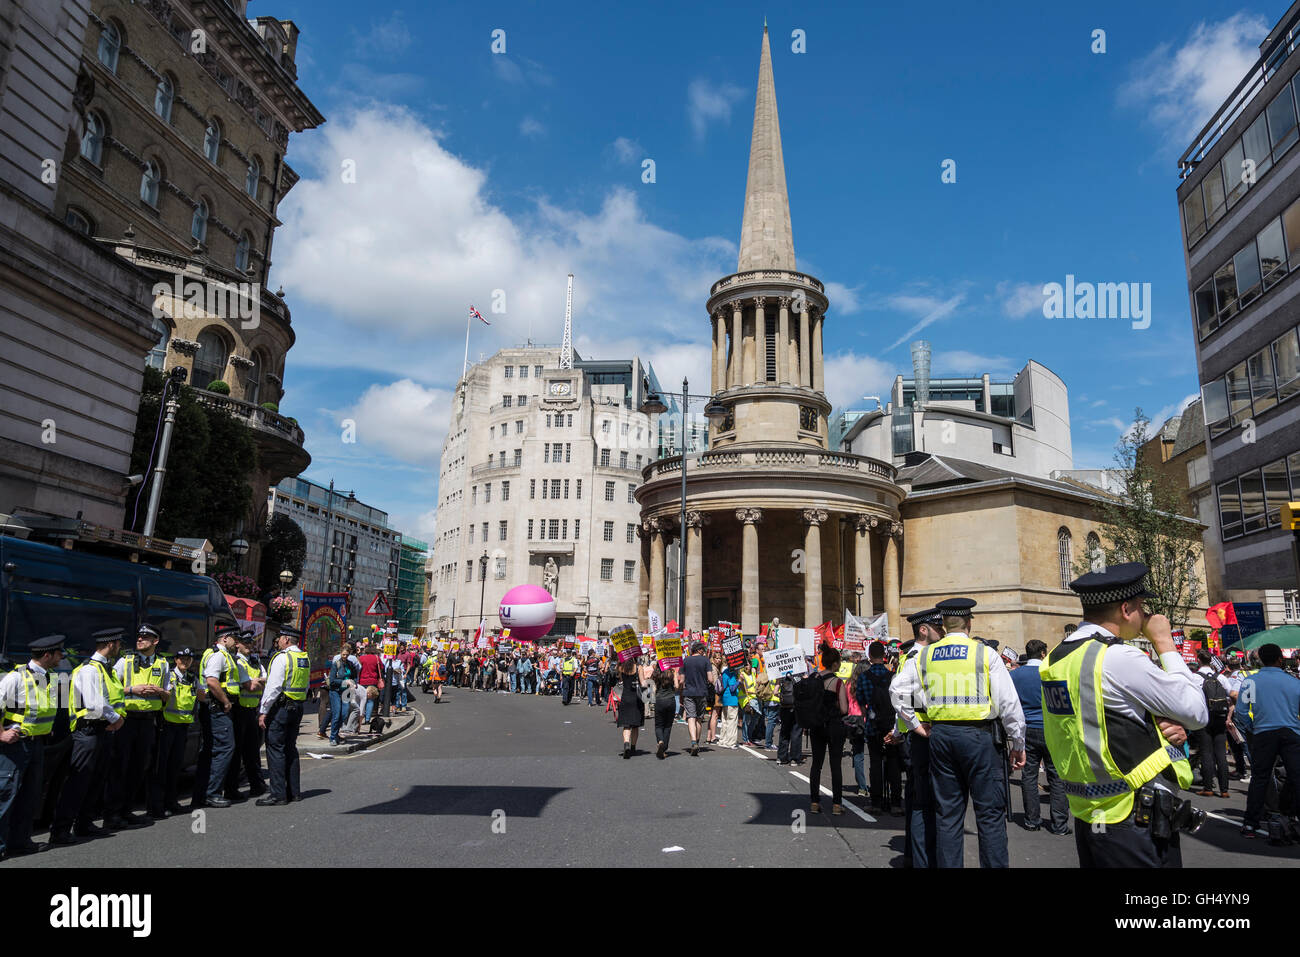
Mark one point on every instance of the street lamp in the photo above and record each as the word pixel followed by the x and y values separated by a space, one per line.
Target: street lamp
pixel 715 412
pixel 858 590
pixel 239 548
pixel 286 577
pixel 482 574
pixel 598 617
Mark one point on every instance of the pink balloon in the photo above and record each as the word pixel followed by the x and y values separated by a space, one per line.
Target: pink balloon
pixel 528 611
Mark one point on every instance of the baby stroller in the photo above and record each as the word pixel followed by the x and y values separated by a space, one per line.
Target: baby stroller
pixel 552 685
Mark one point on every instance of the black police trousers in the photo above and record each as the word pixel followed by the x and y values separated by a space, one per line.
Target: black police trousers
pixel 133 748
pixel 81 798
pixel 282 748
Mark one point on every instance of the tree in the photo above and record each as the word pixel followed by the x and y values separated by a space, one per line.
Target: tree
pixel 205 491
pixel 1143 524
pixel 284 546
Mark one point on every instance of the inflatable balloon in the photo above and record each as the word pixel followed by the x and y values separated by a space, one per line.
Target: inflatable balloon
pixel 528 611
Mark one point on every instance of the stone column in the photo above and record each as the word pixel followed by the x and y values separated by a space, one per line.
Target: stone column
pixel 750 517
pixel 812 566
pixel 894 535
pixel 805 351
pixel 737 346
pixel 783 341
pixel 694 616
pixel 652 527
pixel 863 528
pixel 760 340
pixel 713 365
pixel 817 370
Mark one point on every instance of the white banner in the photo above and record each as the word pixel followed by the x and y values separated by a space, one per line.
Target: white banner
pixel 879 628
pixel 655 622
pixel 854 627
pixel 783 662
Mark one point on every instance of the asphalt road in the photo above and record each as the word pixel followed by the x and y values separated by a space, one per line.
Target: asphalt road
pixel 501 780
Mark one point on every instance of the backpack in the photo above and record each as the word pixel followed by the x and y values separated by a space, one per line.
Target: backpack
pixel 882 707
pixel 787 692
pixel 810 706
pixel 1215 697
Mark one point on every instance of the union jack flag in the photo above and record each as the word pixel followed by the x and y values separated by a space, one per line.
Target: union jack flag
pixel 478 315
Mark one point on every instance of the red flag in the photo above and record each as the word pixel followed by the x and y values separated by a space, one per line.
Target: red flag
pixel 839 632
pixel 1221 614
pixel 672 627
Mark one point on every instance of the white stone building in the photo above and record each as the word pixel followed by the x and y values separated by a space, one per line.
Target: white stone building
pixel 540 465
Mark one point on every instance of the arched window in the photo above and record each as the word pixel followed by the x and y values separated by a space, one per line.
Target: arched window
pixel 157 357
pixel 212 141
pixel 1096 558
pixel 92 141
pixel 210 361
pixel 78 220
pixel 241 252
pixel 199 224
pixel 110 44
pixel 1063 555
pixel 163 96
pixel 251 180
pixel 149 183
pixel 254 390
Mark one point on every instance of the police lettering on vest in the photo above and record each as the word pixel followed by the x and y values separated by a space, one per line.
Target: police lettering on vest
pixel 955 675
pixel 151 674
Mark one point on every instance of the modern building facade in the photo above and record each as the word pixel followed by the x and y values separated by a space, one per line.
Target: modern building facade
pixel 74 318
pixel 777 524
pixel 536 486
pixel 412 596
pixel 363 554
pixel 1020 424
pixel 1240 204
pixel 179 171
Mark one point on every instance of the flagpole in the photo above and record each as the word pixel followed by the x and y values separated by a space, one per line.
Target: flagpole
pixel 465 366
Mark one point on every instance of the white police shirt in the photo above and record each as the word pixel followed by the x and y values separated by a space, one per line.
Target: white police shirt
pixel 906 693
pixel 275 676
pixel 13 689
pixel 89 692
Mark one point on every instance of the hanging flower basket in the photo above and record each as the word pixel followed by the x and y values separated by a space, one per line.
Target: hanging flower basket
pixel 241 586
pixel 282 610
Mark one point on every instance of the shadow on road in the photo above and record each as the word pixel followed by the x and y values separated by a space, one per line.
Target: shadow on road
pixel 435 799
pixel 780 809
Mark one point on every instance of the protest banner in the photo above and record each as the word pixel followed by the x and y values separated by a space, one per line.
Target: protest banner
pixel 654 621
pixel 390 647
pixel 626 642
pixel 668 649
pixel 784 662
pixel 733 650
pixel 586 647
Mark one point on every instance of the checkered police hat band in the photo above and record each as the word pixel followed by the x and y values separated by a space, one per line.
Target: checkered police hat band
pixel 1112 595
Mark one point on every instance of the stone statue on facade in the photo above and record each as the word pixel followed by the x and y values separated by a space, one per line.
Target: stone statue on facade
pixel 551 577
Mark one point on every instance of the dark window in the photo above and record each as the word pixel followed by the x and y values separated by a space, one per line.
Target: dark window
pixel 1252 502
pixel 1275 490
pixel 1281 122
pixel 1263 389
pixel 1229 509
pixel 1225 291
pixel 1206 311
pixel 1293 463
pixel 1194 216
pixel 1238 394
pixel 1272 253
pixel 1291 223
pixel 1286 362
pixel 1246 266
pixel 1214 204
pixel 1232 178
pixel 1256 147
pixel 1215 395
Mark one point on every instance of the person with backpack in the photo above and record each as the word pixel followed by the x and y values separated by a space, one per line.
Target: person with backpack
pixel 1212 740
pixel 871 691
pixel 821 702
pixel 789 745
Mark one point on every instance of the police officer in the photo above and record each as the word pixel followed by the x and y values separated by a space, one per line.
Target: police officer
pixel 287 680
pixel 964 687
pixel 178 716
pixel 29 698
pixel 96 703
pixel 243 718
pixel 1122 773
pixel 567 669
pixel 145 679
pixel 918 798
pixel 220 673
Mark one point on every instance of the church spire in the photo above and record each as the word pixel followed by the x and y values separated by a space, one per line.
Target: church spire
pixel 766 240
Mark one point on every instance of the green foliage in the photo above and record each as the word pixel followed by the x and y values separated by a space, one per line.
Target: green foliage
pixel 283 546
pixel 1197 634
pixel 219 387
pixel 270 407
pixel 205 491
pixel 1146 526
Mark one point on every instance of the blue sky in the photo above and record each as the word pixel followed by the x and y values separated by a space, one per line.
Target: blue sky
pixel 477 172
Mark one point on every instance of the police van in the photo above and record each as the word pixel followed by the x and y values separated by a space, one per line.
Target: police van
pixel 70 577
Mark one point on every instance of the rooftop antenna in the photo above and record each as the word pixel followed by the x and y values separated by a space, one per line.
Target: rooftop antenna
pixel 566 347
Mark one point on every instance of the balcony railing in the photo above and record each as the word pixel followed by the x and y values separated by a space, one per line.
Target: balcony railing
pixel 765 275
pixel 256 417
pixel 784 457
pixel 494 467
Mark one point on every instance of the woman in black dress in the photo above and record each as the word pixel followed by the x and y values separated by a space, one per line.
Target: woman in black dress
pixel 631 709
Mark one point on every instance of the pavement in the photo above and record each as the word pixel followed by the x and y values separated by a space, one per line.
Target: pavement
pixel 489 779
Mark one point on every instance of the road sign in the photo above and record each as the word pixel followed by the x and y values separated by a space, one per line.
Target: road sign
pixel 380 606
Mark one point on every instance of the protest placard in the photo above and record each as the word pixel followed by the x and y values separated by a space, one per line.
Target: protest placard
pixel 783 662
pixel 668 649
pixel 733 650
pixel 626 642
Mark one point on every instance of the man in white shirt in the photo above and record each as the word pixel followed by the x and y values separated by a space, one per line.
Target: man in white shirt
pixel 25 728
pixel 146 685
pixel 94 689
pixel 280 714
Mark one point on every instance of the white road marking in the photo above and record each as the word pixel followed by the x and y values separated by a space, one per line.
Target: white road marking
pixel 852 807
pixel 761 757
pixel 669 850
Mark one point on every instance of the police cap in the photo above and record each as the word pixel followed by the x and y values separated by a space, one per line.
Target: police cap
pixel 107 635
pixel 186 652
pixel 147 630
pixel 959 607
pixel 226 627
pixel 47 643
pixel 290 631
pixel 930 616
pixel 1115 584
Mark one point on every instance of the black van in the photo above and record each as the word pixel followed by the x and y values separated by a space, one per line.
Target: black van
pixel 46 589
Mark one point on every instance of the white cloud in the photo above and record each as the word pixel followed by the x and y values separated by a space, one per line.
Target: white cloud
pixel 627 150
pixel 1119 425
pixel 930 309
pixel 1169 411
pixel 963 363
pixel 385 38
pixel 396 257
pixel 1098 403
pixel 1020 299
pixel 531 127
pixel 844 299
pixel 423 525
pixel 403 419
pixel 850 376
pixel 1182 87
pixel 708 103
